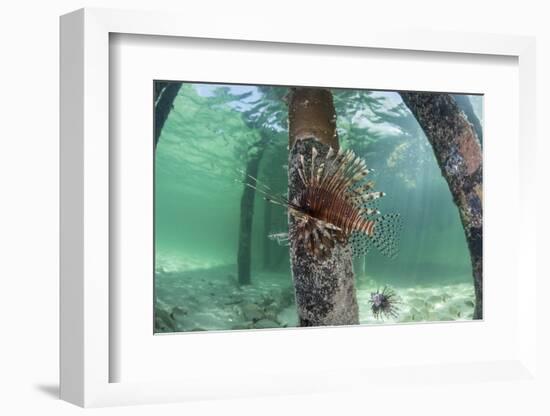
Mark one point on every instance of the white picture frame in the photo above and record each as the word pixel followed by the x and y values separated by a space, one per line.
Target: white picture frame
pixel 86 356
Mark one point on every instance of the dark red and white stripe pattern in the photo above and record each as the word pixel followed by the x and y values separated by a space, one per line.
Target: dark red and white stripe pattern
pixel 334 202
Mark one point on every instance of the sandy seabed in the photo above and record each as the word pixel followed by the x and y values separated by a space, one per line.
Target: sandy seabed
pixel 206 299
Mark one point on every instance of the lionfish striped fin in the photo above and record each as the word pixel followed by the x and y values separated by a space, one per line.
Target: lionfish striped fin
pixel 360 190
pixel 302 176
pixel 368 227
pixel 323 236
pixel 350 171
pixel 334 172
pixel 302 170
pixel 335 175
pixel 313 157
pixel 368 211
pixel 371 196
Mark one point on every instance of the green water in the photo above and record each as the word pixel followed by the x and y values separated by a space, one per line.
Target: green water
pixel 212 131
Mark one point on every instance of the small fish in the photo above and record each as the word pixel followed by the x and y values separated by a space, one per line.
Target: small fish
pixel 384 304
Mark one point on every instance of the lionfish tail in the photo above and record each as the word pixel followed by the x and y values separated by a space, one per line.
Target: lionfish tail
pixel 387 230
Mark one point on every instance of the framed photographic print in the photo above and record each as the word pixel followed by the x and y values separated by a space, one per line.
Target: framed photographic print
pixel 305 217
pixel 226 255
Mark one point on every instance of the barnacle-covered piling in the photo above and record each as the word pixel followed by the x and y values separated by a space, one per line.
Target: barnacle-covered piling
pixel 458 153
pixel 324 286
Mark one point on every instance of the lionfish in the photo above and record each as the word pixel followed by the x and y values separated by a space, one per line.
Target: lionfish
pixel 384 304
pixel 336 206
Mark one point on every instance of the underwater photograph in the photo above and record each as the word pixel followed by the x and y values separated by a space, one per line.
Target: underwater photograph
pixel 290 206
